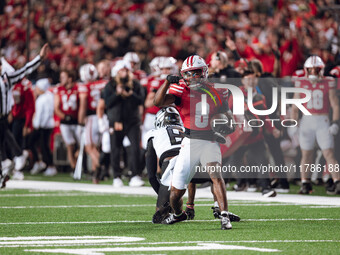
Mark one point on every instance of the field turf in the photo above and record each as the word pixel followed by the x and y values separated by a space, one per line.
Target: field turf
pixel 74 222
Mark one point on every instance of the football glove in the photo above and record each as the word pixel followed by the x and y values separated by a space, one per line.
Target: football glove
pixel 173 78
pixel 223 129
pixel 219 138
pixel 190 211
pixel 333 128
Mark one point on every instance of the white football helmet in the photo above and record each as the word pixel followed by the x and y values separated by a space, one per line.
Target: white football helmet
pixel 132 57
pixel 120 64
pixel 167 116
pixel 194 71
pixel 314 68
pixel 168 63
pixel 154 66
pixel 88 73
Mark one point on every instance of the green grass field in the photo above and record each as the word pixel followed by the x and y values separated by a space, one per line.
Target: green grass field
pixel 74 222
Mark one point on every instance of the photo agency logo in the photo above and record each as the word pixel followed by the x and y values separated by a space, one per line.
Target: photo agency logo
pixel 243 103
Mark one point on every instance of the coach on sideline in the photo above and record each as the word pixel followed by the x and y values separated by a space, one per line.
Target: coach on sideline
pixel 7 80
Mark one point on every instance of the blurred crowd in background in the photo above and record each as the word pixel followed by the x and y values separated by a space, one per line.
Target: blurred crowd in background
pixel 88 31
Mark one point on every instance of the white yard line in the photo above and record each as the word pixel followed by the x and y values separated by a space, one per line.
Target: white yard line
pixel 321 206
pixel 126 205
pixel 85 194
pixel 200 246
pixel 59 241
pixel 147 221
pixel 148 191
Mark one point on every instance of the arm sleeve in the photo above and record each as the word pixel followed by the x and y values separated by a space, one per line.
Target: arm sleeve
pixel 151 165
pixel 22 72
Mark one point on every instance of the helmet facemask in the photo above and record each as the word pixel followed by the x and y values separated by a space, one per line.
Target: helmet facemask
pixel 194 78
pixel 314 73
pixel 314 68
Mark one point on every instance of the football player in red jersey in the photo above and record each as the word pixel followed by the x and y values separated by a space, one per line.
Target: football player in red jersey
pixel 199 146
pixel 22 112
pixel 317 127
pixel 167 65
pixel 89 95
pixel 66 102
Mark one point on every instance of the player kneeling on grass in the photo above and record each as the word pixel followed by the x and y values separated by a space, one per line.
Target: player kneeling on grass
pixel 200 145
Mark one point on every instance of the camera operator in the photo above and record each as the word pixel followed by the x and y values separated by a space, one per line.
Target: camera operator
pixel 122 96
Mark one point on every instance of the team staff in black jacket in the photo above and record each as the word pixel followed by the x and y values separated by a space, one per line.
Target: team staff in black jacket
pixel 122 96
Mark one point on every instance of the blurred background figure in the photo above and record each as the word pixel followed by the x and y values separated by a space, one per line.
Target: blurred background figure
pixel 66 106
pixel 122 96
pixel 43 124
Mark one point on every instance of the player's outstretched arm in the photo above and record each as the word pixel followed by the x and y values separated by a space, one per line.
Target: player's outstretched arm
pixel 162 98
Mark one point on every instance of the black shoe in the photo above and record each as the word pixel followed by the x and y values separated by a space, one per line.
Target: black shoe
pixel 268 193
pixel 190 213
pixel 329 183
pixel 161 214
pixel 306 188
pixel 334 189
pixel 172 219
pixel 217 214
pixel 3 180
pixel 234 217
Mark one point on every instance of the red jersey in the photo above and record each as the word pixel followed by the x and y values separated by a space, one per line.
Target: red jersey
pixel 153 84
pixel 193 113
pixel 139 75
pixel 69 100
pixel 24 105
pixel 336 72
pixel 92 90
pixel 319 102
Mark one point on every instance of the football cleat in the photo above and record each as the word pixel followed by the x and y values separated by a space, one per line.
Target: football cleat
pixel 225 223
pixel 306 188
pixel 172 219
pixel 217 214
pixel 161 213
pixel 334 189
pixel 3 180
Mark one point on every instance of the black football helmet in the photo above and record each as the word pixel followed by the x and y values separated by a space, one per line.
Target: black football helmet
pixel 167 116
